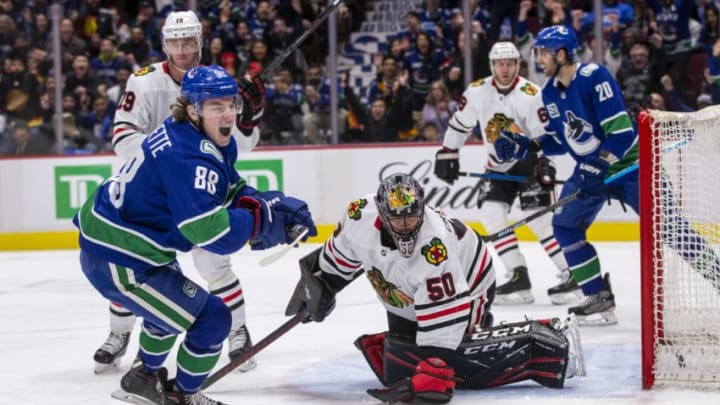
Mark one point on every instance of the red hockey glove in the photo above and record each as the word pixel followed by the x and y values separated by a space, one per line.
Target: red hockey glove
pixel 434 381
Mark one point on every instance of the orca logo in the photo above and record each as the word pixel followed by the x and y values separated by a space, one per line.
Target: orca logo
pixel 579 134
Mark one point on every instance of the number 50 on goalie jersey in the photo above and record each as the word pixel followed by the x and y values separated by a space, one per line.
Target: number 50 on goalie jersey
pixel 443 286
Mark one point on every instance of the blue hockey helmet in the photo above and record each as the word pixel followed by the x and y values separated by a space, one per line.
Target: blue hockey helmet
pixel 203 83
pixel 557 37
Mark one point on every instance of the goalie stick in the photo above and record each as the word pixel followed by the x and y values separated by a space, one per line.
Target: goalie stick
pixel 274 65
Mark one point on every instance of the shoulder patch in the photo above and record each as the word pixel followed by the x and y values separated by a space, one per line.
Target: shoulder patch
pixel 478 82
pixel 145 70
pixel 588 69
pixel 354 210
pixel 435 252
pixel 529 89
pixel 208 147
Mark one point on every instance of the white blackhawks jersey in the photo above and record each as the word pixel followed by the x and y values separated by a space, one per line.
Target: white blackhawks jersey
pixel 482 104
pixel 145 104
pixel 442 286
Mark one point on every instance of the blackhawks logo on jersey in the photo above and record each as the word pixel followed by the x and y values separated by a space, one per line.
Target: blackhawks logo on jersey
pixel 499 122
pixel 529 89
pixel 435 253
pixel 478 82
pixel 145 70
pixel 355 208
pixel 387 291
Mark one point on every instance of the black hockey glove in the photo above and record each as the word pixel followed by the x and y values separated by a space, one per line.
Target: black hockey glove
pixel 546 173
pixel 447 165
pixel 253 98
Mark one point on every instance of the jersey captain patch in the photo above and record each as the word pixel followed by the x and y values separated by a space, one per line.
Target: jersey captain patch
pixel 145 70
pixel 435 252
pixel 355 208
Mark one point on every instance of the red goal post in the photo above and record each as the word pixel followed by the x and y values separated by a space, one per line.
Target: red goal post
pixel 680 234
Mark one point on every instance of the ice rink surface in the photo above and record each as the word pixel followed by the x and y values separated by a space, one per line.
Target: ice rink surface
pixel 53 320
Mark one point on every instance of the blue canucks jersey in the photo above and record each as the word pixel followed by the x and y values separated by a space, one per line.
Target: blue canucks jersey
pixel 588 116
pixel 171 196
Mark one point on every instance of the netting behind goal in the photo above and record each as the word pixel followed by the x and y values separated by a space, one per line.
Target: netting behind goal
pixel 680 228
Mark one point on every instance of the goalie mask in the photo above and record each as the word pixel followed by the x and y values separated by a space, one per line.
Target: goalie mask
pixel 504 51
pixel 401 204
pixel 182 35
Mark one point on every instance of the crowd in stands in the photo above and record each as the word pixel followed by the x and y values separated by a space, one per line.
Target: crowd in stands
pixel 664 53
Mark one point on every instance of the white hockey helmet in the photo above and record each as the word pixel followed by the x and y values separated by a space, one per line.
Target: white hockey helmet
pixel 182 24
pixel 504 50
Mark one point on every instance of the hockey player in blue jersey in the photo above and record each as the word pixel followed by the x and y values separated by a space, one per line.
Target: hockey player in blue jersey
pixel 179 191
pixel 588 120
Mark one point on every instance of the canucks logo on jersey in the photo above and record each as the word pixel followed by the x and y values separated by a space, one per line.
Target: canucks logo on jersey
pixel 579 134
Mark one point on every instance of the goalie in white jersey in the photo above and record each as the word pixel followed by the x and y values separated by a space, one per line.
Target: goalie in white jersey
pixel 435 278
pixel 508 101
pixel 142 108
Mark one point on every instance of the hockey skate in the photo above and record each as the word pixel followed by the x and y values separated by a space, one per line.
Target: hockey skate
pixel 576 356
pixel 172 396
pixel 238 343
pixel 139 387
pixel 517 290
pixel 110 353
pixel 567 292
pixel 597 309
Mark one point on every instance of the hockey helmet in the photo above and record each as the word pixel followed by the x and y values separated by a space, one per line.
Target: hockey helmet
pixel 182 24
pixel 401 204
pixel 555 38
pixel 504 50
pixel 203 83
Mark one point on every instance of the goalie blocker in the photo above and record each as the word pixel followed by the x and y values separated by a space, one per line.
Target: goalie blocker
pixel 545 351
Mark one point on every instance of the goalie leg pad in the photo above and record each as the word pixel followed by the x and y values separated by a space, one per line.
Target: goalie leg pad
pixel 373 349
pixel 503 354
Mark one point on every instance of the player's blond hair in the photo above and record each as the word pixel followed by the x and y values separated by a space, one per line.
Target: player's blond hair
pixel 179 109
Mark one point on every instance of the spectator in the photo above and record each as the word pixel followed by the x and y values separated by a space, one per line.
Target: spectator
pixel 623 12
pixel 673 18
pixel 429 133
pixel 136 49
pixel 283 118
pixel 674 102
pixel 366 125
pixel 24 141
pixel 40 33
pixel 279 38
pixel 423 65
pixel 438 107
pixel 81 81
pixel 297 14
pixel 499 11
pixel 408 37
pixel 644 19
pixel 258 59
pixel 711 29
pixel 150 24
pixel 121 78
pixel 317 94
pixel 239 42
pixel 19 90
pixel 97 123
pixel 8 32
pixel 453 68
pixel 71 44
pixel 107 63
pixel 641 78
pixel 381 86
pixel 93 23
pixel 258 23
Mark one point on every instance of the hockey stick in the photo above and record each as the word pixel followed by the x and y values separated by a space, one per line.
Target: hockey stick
pixel 283 250
pixel 495 176
pixel 274 65
pixel 255 349
pixel 572 197
pixel 501 177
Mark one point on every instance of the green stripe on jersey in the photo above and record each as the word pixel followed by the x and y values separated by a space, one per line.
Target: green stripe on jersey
pixel 132 243
pixel 150 299
pixel 586 271
pixel 194 363
pixel 156 345
pixel 206 228
pixel 631 156
pixel 617 123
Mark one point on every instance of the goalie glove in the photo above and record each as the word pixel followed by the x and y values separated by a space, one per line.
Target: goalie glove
pixel 447 165
pixel 433 381
pixel 253 98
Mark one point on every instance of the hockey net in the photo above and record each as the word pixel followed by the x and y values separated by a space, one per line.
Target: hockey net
pixel 680 237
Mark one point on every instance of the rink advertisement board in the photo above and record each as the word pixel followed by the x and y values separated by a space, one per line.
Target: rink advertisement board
pixel 42 194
